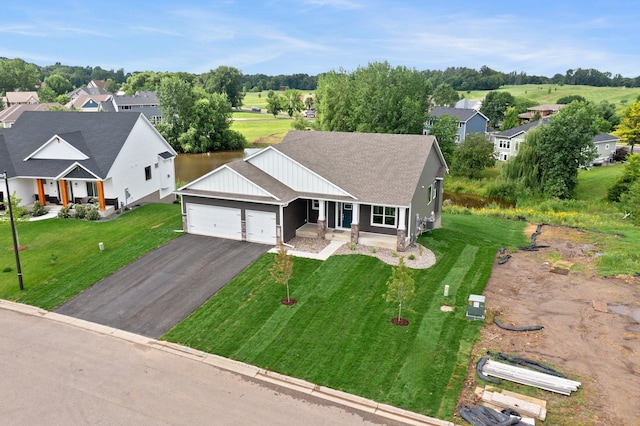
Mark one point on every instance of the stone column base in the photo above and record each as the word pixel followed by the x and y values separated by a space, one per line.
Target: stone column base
pixel 355 233
pixel 321 229
pixel 402 240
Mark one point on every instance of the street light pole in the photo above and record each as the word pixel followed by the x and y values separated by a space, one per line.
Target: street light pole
pixel 13 233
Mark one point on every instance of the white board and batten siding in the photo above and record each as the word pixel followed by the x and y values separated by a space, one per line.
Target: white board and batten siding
pixel 226 180
pixel 214 221
pixel 293 174
pixel 261 227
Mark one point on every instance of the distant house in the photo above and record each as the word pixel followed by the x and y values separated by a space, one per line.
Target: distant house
pixel 93 91
pixel 469 121
pixel 507 142
pixel 145 102
pixel 540 110
pixel 89 103
pixel 379 183
pixel 17 98
pixel 96 84
pixel 115 159
pixel 8 116
pixel 468 104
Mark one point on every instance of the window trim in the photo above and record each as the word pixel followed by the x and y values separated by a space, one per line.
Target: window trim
pixel 384 216
pixel 315 204
pixel 147 173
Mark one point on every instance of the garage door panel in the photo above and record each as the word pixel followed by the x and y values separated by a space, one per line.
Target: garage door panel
pixel 214 221
pixel 261 226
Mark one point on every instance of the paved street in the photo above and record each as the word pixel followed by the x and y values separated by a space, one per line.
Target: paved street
pixel 54 373
pixel 152 294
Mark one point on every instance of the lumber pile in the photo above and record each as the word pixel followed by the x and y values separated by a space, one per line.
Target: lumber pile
pixel 531 378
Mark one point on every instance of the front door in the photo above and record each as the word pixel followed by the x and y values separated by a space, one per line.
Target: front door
pixel 346 215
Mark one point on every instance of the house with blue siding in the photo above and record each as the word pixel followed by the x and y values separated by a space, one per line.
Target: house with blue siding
pixel 469 121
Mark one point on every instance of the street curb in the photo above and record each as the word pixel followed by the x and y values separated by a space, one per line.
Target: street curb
pixel 328 394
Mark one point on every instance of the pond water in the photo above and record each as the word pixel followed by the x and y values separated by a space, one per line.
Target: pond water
pixel 475 201
pixel 191 166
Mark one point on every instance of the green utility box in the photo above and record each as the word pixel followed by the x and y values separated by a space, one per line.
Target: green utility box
pixel 475 308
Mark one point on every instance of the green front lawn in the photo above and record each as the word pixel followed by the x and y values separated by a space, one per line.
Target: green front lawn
pixel 339 333
pixel 63 258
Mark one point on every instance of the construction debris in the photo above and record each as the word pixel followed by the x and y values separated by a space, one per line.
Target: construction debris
pixel 479 415
pixel 528 377
pixel 524 408
pixel 525 362
pixel 513 328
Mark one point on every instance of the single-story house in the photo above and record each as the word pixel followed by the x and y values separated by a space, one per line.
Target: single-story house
pixel 352 182
pixel 113 159
pixel 541 110
pixel 145 102
pixel 469 121
pixel 507 142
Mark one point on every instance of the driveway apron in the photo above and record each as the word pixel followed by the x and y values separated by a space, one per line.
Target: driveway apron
pixel 157 291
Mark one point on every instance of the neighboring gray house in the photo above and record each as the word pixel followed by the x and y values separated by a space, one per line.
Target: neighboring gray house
pixel 349 182
pixel 90 91
pixel 113 158
pixel 507 142
pixel 145 102
pixel 469 121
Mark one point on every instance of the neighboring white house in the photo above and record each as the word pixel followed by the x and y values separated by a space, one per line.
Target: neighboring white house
pixel 507 142
pixel 113 159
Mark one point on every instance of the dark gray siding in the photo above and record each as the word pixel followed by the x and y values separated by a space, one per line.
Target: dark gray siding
pixel 365 222
pixel 420 204
pixel 476 124
pixel 294 218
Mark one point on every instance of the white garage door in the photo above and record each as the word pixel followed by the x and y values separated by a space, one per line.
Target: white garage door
pixel 261 227
pixel 214 221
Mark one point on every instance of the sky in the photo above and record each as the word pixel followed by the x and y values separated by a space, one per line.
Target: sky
pixel 316 36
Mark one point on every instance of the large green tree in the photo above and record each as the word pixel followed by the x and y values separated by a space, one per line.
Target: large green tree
pixel 225 80
pixel 193 120
pixel 629 128
pixel 565 146
pixel 630 174
pixel 473 155
pixel 375 99
pixel 510 119
pixel 59 84
pixel 495 105
pixel 16 74
pixel 275 103
pixel 445 130
pixel 445 95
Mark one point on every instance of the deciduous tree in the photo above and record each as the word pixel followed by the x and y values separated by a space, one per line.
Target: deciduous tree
pixel 293 102
pixel 445 129
pixel 282 269
pixel 629 128
pixel 495 105
pixel 59 84
pixel 445 95
pixel 473 155
pixel 225 80
pixel 400 287
pixel 275 103
pixel 565 146
pixel 16 74
pixel 510 119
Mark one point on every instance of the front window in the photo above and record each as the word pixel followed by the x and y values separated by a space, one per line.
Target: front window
pixel 384 216
pixel 315 204
pixel 92 190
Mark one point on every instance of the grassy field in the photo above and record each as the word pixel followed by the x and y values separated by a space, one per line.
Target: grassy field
pixel 550 93
pixel 264 131
pixel 339 333
pixel 78 261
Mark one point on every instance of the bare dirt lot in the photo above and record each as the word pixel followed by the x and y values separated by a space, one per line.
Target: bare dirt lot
pixel 598 347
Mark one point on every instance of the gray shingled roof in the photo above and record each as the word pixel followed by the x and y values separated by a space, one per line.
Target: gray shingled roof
pixel 373 167
pixel 462 114
pixel 604 137
pixel 100 136
pixel 509 133
pixel 140 98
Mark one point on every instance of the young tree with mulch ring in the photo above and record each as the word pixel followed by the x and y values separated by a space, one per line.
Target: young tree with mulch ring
pixel 401 289
pixel 282 271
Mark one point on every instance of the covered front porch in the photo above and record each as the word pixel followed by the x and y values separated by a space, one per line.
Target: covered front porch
pixel 310 230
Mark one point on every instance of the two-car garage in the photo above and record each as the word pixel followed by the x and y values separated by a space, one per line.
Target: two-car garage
pixel 226 222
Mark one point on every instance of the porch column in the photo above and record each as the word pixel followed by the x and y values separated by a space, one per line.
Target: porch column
pixel 63 192
pixel 355 223
pixel 402 229
pixel 101 203
pixel 321 219
pixel 41 197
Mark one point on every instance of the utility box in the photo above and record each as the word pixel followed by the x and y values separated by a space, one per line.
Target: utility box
pixel 475 308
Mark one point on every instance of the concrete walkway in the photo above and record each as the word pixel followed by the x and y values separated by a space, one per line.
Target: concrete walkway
pixel 323 255
pixel 64 370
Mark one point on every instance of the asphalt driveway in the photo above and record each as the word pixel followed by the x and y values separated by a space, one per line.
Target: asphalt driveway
pixel 157 291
